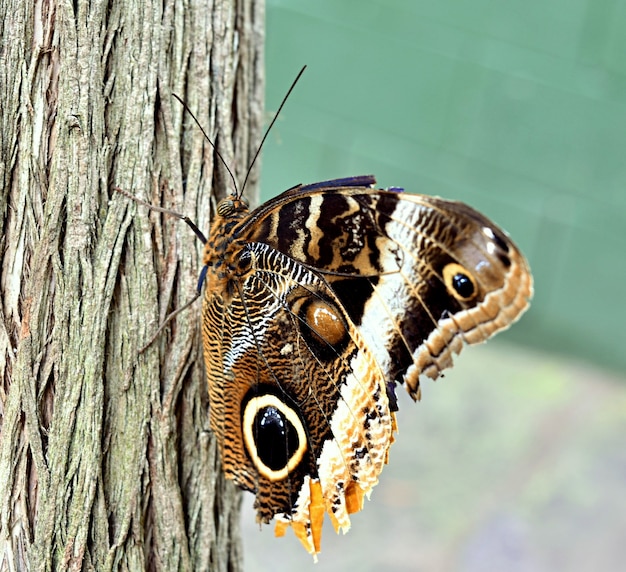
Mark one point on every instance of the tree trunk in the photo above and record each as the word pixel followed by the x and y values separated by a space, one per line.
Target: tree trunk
pixel 106 459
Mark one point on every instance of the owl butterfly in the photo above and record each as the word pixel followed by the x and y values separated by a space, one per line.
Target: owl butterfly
pixel 315 306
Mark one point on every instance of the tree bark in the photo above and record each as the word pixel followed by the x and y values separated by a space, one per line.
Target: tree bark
pixel 106 458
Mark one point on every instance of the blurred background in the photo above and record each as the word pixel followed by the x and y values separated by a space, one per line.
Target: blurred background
pixel 517 459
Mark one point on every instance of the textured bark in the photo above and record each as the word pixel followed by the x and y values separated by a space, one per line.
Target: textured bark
pixel 106 459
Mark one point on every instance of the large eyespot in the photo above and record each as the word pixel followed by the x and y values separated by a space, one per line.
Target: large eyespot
pixel 274 436
pixel 322 326
pixel 459 282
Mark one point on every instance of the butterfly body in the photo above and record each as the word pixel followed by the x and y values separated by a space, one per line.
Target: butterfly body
pixel 315 305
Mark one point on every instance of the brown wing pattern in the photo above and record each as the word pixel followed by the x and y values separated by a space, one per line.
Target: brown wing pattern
pixel 297 401
pixel 418 275
pixel 314 305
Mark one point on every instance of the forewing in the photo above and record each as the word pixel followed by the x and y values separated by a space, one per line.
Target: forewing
pixel 417 275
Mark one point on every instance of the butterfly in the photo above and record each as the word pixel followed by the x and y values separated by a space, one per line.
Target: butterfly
pixel 316 306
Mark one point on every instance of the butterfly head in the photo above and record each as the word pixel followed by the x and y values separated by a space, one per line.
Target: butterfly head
pixel 232 207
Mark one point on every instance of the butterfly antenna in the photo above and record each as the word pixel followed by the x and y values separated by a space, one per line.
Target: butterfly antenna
pixel 167 321
pixel 267 131
pixel 182 217
pixel 186 107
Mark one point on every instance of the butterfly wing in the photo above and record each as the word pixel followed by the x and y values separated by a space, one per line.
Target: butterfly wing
pixel 315 304
pixel 419 276
pixel 297 401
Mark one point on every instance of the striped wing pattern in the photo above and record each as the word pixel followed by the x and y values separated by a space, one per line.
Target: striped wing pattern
pixel 316 305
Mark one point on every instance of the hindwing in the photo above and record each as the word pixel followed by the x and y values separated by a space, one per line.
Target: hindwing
pixel 297 400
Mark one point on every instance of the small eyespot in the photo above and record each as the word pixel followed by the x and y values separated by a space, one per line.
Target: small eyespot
pixel 325 321
pixel 322 326
pixel 459 282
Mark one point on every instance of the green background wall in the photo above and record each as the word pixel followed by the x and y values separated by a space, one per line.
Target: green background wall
pixel 516 107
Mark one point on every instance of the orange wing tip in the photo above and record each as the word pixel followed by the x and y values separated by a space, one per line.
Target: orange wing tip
pixel 316 511
pixel 336 524
pixel 281 527
pixel 354 498
pixel 309 529
pixel 308 526
pixel 354 501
